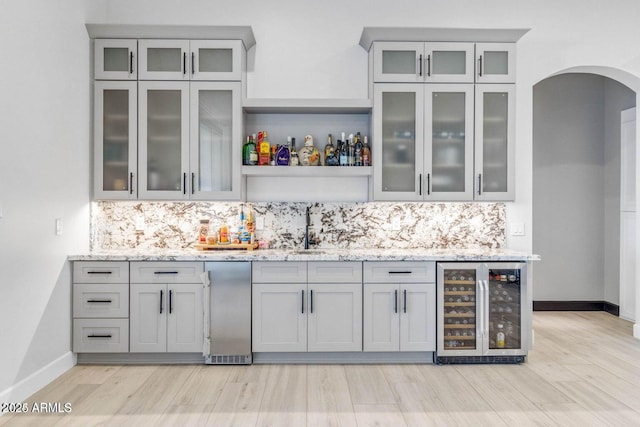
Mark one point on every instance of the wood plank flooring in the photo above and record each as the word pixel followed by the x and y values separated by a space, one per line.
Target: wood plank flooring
pixel 584 370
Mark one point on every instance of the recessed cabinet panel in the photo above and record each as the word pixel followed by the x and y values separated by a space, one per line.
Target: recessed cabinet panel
pixel 214 128
pixel 115 59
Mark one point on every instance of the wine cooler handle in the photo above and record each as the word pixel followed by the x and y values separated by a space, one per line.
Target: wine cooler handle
pixel 486 307
pixel 480 310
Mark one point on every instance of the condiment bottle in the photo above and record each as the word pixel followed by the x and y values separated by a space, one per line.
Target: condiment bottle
pixel 203 231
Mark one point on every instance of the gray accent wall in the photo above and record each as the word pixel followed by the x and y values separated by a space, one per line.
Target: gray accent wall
pixel 576 186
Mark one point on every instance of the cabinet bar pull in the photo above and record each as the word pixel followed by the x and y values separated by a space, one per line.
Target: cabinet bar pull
pixel 302 301
pixel 165 272
pixel 400 272
pixel 161 298
pixel 405 300
pixel 170 301
pixel 395 299
pixel 480 66
pixel 479 184
pixel 184 183
pixel 184 63
pixel 420 60
pixel 130 62
pixel 193 183
pixel 97 301
pixel 99 272
pixel 131 183
pixel 420 184
pixel 428 65
pixel 193 63
pixel 428 184
pixel 99 336
pixel 311 302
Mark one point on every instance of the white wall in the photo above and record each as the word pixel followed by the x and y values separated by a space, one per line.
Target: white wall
pixel 44 174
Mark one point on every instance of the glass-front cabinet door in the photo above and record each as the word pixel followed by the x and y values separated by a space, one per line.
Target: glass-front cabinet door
pixel 216 60
pixel 163 60
pixel 215 127
pixel 115 140
pixel 459 309
pixel 495 142
pixel 398 154
pixel 496 62
pixel 115 59
pixel 449 62
pixel 163 113
pixel 504 302
pixel 448 142
pixel 398 62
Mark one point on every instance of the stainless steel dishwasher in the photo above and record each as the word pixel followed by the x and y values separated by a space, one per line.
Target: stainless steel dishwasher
pixel 228 324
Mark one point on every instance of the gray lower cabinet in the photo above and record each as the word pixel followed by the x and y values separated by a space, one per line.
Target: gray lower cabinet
pixel 100 307
pixel 167 312
pixel 399 308
pixel 300 306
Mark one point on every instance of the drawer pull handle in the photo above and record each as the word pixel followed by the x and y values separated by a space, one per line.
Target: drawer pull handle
pixel 95 301
pixel 400 272
pixel 99 336
pixel 99 272
pixel 165 272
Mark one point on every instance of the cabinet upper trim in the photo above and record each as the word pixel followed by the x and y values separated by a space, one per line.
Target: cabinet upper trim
pixel 191 32
pixel 404 34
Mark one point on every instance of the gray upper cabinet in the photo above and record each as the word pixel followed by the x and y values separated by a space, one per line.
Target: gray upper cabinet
pixel 496 63
pixel 220 60
pixel 115 59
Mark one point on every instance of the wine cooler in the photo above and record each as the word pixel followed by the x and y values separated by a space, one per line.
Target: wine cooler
pixel 482 314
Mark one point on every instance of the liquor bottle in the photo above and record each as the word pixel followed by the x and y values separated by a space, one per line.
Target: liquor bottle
pixel 249 153
pixel 309 155
pixel 283 155
pixel 343 154
pixel 351 151
pixel 293 155
pixel 366 153
pixel 265 149
pixel 358 151
pixel 272 155
pixel 330 153
pixel 253 151
pixel 245 152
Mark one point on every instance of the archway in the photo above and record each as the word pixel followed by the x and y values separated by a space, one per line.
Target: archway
pixel 576 163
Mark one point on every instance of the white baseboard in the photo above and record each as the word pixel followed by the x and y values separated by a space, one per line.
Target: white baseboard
pixel 636 330
pixel 43 376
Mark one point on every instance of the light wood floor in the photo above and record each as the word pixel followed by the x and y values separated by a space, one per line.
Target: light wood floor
pixel 584 370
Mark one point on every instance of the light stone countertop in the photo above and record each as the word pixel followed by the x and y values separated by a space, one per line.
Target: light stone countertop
pixel 328 254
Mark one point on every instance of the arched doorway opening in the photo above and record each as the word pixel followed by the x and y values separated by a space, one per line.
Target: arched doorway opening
pixel 576 186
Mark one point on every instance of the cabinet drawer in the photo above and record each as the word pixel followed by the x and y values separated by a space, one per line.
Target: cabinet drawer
pixel 335 272
pixel 100 272
pixel 166 272
pixel 279 272
pixel 399 272
pixel 100 300
pixel 100 335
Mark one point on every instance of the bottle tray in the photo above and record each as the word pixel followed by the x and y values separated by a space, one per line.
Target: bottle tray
pixel 226 246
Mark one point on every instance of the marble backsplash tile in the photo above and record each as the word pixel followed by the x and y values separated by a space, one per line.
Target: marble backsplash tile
pixel 173 225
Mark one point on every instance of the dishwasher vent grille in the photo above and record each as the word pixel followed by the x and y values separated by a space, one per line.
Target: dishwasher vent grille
pixel 228 359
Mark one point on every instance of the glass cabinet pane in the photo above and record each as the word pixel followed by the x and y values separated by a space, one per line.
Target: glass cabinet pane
pixel 505 317
pixel 399 141
pixel 164 59
pixel 495 141
pixel 496 62
pixel 215 60
pixel 448 141
pixel 460 309
pixel 449 62
pixel 215 140
pixel 398 62
pixel 164 132
pixel 115 143
pixel 116 59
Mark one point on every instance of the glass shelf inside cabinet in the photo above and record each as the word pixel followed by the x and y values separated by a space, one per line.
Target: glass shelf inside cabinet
pixel 460 309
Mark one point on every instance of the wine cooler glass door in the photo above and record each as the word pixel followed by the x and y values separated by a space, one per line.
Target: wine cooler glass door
pixel 459 319
pixel 504 297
